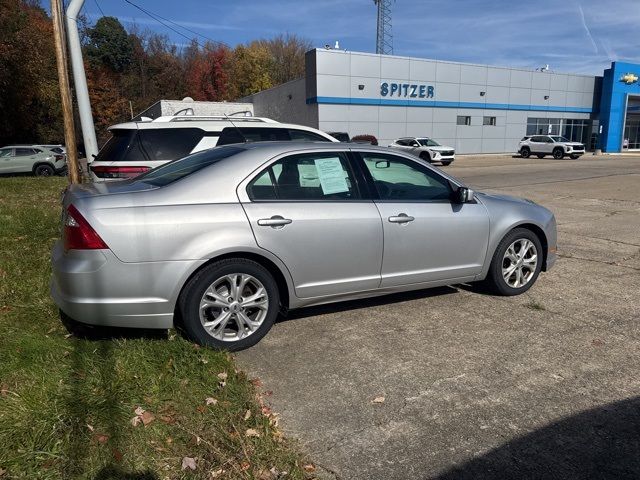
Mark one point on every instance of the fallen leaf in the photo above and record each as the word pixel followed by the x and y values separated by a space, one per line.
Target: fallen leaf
pixel 378 400
pixel 266 411
pixel 147 418
pixel 268 393
pixel 597 343
pixel 251 432
pixel 139 411
pixel 274 471
pixel 247 415
pixel 256 382
pixel 135 421
pixel 201 409
pixel 168 419
pixel 244 466
pixel 189 462
pixel 264 475
pixel 309 467
pixel 169 440
pixel 117 455
pixel 68 335
pixel 216 473
pixel 222 384
pixel 204 360
pixel 223 375
pixel 101 438
pixel 211 401
pixel 90 427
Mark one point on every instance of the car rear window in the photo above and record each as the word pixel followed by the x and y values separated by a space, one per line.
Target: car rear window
pixel 183 167
pixel 149 144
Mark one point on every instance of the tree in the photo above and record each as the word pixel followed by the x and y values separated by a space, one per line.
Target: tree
pixel 109 45
pixel 287 54
pixel 250 70
pixel 29 94
pixel 207 71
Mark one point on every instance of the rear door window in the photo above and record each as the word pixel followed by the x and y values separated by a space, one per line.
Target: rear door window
pixel 305 136
pixel 169 143
pixel 249 134
pixel 24 152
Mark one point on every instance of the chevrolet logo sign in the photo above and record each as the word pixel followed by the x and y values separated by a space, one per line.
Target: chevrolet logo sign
pixel 629 78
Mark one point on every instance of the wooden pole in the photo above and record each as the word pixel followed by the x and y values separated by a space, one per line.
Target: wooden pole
pixel 65 91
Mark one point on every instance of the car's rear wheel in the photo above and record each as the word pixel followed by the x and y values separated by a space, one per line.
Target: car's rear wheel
pixel 230 304
pixel 558 153
pixel 516 263
pixel 539 155
pixel 43 171
pixel 525 152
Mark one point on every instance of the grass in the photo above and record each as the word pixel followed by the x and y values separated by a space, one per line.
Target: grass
pixel 67 404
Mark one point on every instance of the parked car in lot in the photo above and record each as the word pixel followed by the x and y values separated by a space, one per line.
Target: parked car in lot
pixel 221 241
pixel 541 145
pixel 31 159
pixel 340 136
pixel 426 148
pixel 136 147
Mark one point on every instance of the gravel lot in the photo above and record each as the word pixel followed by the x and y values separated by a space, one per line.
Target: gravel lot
pixel 544 385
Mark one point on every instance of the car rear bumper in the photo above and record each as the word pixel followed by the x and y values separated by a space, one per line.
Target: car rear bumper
pixel 96 288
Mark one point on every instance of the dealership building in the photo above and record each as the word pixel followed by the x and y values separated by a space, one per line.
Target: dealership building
pixel 474 108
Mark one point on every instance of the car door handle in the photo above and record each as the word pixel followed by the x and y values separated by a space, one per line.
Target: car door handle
pixel 401 218
pixel 276 221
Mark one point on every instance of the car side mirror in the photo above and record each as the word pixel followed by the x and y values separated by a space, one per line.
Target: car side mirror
pixel 382 164
pixel 415 144
pixel 463 195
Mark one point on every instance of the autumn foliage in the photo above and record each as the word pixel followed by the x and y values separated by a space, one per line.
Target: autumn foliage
pixel 126 71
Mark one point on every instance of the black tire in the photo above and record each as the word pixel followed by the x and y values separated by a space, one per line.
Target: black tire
pixel 540 155
pixel 446 164
pixel 558 153
pixel 44 170
pixel 525 152
pixel 193 291
pixel 575 157
pixel 426 157
pixel 495 282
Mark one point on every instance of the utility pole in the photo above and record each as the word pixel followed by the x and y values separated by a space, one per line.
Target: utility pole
pixel 65 92
pixel 384 35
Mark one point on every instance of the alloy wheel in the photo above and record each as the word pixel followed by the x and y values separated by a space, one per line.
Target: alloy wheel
pixel 233 307
pixel 519 263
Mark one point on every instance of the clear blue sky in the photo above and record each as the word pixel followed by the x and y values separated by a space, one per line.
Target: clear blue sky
pixel 581 36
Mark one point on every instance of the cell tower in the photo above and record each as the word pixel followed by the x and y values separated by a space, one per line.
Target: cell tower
pixel 384 36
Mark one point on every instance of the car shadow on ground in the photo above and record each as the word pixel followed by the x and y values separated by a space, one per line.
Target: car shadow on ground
pixel 366 302
pixel 602 443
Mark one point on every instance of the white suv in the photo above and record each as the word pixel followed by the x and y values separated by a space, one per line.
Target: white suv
pixel 426 148
pixel 541 145
pixel 136 147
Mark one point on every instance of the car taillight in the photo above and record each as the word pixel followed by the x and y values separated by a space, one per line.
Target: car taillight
pixel 78 234
pixel 101 171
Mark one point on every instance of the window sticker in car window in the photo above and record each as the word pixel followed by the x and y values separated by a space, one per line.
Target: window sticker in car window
pixel 332 175
pixel 308 175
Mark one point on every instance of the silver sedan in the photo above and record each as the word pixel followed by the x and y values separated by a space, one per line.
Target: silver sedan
pixel 221 242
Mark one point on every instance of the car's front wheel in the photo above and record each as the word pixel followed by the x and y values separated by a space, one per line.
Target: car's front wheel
pixel 558 153
pixel 425 156
pixel 230 304
pixel 516 263
pixel 525 152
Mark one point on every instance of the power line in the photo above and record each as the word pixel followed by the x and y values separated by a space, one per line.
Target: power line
pixel 159 19
pixel 99 8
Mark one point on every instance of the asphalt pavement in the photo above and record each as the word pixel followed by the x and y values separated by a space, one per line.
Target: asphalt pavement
pixel 468 385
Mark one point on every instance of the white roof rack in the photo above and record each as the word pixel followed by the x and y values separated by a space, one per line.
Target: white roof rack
pixel 212 118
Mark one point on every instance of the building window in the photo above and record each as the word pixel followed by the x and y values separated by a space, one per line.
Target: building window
pixel 489 121
pixel 464 120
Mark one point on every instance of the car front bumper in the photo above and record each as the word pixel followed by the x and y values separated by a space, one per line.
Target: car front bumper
pixel 96 288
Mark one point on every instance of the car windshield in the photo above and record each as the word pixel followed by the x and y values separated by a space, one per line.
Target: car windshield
pixel 174 171
pixel 560 139
pixel 427 142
